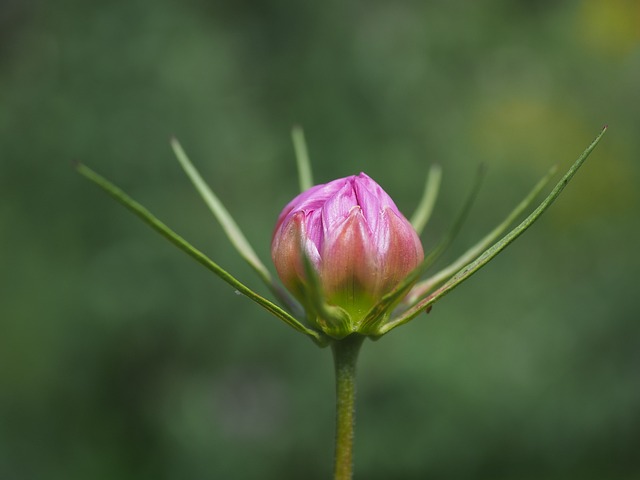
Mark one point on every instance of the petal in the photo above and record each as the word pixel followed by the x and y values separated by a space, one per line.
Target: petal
pixel 399 247
pixel 314 229
pixel 349 258
pixel 338 207
pixel 365 184
pixel 310 200
pixel 369 200
pixel 289 242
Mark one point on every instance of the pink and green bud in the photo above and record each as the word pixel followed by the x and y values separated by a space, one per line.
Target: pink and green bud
pixel 355 239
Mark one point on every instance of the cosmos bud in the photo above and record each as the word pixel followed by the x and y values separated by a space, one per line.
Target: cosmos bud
pixel 354 237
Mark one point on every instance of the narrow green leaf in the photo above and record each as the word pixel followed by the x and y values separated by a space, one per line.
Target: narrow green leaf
pixel 305 176
pixel 379 312
pixel 230 227
pixel 226 221
pixel 495 249
pixel 423 287
pixel 194 253
pixel 421 216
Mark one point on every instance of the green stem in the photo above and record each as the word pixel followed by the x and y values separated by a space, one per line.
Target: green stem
pixel 345 357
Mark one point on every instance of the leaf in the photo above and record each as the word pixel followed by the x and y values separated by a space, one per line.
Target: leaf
pixel 230 227
pixel 423 287
pixel 305 176
pixel 421 216
pixel 495 249
pixel 194 253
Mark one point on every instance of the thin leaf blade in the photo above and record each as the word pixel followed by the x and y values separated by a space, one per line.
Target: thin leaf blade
pixel 228 224
pixel 147 217
pixel 305 177
pixel 230 227
pixel 423 212
pixel 423 287
pixel 495 249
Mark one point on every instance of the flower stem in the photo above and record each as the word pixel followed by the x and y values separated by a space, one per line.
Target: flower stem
pixel 345 356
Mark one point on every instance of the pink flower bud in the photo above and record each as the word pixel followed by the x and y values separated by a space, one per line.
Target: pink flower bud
pixel 355 237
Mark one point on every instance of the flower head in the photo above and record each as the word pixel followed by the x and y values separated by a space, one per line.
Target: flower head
pixel 356 240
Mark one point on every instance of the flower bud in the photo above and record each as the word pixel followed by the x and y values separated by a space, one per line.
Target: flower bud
pixel 355 239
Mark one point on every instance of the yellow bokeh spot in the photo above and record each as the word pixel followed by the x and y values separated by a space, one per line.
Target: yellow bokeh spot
pixel 530 135
pixel 526 133
pixel 611 27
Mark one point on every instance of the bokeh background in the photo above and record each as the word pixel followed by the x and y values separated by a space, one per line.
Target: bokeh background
pixel 122 358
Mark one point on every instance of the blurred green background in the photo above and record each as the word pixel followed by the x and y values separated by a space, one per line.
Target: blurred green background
pixel 122 358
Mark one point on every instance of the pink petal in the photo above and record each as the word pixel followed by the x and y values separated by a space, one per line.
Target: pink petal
pixel 399 247
pixel 286 252
pixel 349 260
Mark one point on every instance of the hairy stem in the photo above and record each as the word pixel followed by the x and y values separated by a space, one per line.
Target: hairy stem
pixel 345 356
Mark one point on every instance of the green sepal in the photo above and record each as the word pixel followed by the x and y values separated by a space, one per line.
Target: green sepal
pixel 196 254
pixel 494 250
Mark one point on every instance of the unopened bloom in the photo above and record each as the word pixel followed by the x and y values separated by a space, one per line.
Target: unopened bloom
pixel 358 243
